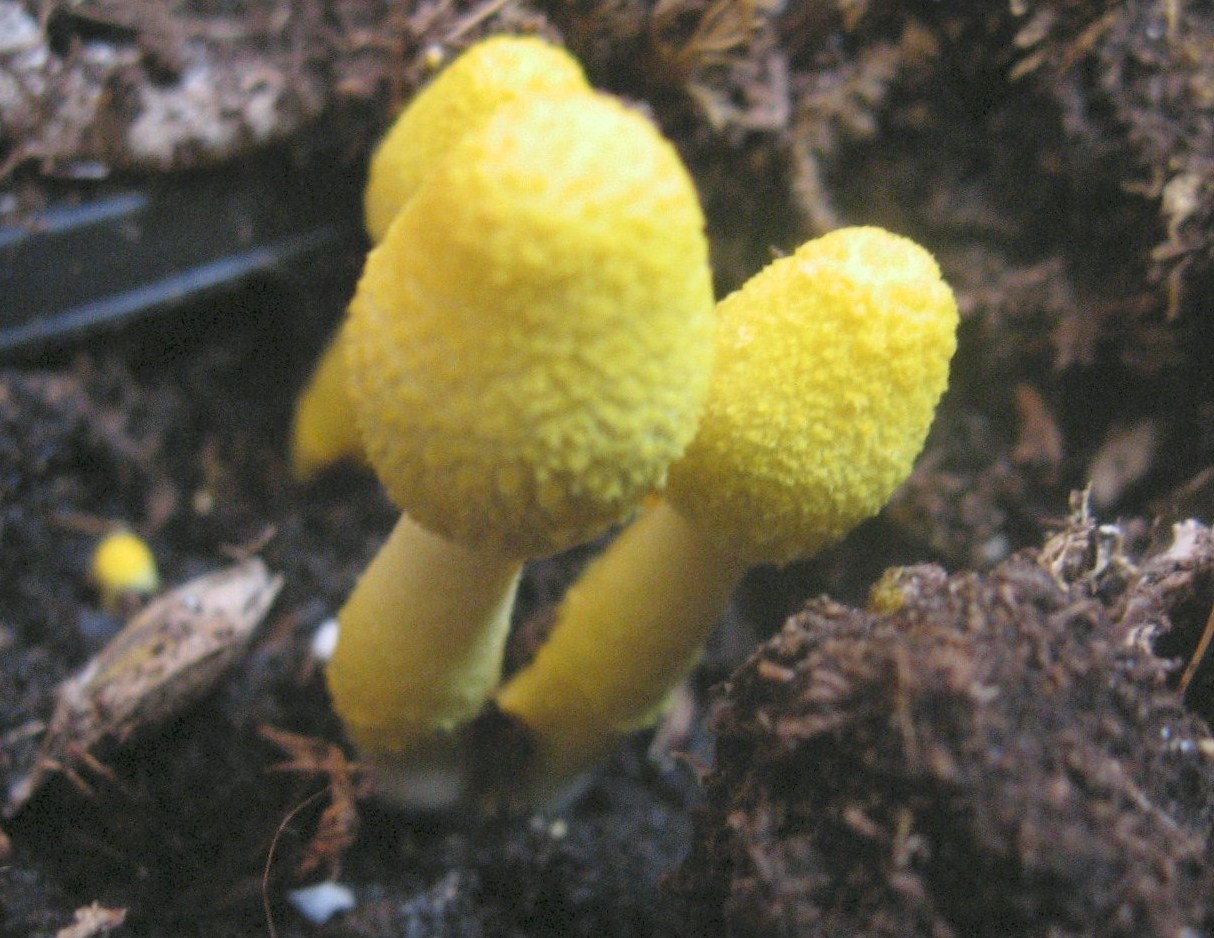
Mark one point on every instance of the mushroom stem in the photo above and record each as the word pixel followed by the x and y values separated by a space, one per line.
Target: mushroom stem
pixel 397 687
pixel 651 599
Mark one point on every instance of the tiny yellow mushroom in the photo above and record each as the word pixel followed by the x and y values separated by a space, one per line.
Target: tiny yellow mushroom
pixel 830 363
pixel 123 565
pixel 490 74
pixel 529 350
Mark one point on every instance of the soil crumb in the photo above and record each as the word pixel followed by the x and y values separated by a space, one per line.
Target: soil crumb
pixel 1003 754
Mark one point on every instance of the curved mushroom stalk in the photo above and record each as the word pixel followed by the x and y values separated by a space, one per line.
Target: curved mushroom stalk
pixel 629 630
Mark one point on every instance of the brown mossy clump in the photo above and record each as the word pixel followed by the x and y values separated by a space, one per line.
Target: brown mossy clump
pixel 996 754
pixel 1054 156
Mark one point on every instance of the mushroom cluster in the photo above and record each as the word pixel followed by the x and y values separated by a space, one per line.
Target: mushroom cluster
pixel 527 351
pixel 532 351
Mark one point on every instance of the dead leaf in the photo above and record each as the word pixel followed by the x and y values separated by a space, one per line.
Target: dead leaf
pixel 338 826
pixel 1124 458
pixel 92 920
pixel 1039 442
pixel 165 658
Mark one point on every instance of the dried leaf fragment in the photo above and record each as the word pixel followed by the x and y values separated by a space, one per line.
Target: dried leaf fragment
pixel 1039 443
pixel 338 826
pixel 94 919
pixel 165 658
pixel 1124 458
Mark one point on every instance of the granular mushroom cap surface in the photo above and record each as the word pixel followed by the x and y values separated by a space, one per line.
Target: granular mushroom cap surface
pixel 490 74
pixel 530 347
pixel 830 363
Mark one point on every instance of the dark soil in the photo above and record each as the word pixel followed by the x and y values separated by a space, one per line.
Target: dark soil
pixel 181 828
pixel 981 754
pixel 996 745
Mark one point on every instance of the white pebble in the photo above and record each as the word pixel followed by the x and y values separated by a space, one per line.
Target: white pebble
pixel 324 640
pixel 321 902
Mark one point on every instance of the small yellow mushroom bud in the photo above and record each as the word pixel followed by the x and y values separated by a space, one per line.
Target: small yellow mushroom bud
pixel 123 565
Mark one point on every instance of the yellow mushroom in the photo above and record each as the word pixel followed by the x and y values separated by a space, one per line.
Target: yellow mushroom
pixel 830 364
pixel 123 565
pixel 529 350
pixel 494 72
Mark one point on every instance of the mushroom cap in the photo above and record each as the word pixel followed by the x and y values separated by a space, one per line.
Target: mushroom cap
pixel 530 345
pixel 123 563
pixel 830 363
pixel 491 73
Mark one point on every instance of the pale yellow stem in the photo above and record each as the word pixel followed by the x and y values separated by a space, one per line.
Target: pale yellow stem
pixel 422 639
pixel 629 630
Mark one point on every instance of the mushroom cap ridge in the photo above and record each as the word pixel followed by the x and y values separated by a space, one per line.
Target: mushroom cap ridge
pixel 830 363
pixel 493 72
pixel 530 346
